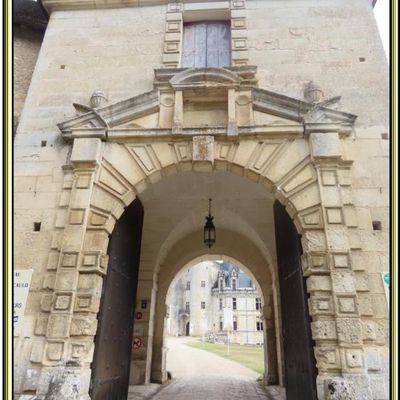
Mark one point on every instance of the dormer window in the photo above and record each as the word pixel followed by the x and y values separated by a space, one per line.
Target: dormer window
pixel 206 44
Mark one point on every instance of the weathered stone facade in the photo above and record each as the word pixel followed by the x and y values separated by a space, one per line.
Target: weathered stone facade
pixel 274 136
pixel 197 298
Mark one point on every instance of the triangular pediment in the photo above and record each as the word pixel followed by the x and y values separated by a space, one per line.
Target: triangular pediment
pixel 115 115
pixel 145 111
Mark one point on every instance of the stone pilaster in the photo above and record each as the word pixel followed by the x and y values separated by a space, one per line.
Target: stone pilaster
pixel 71 323
pixel 337 326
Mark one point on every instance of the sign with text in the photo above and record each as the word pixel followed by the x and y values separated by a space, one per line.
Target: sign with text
pixel 22 280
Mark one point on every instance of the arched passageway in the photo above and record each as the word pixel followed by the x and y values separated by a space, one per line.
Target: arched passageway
pixel 174 211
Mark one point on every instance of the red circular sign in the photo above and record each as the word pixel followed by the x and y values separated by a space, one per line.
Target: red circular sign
pixel 138 315
pixel 136 343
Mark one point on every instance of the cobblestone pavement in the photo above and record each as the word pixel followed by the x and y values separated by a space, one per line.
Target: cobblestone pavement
pixel 212 388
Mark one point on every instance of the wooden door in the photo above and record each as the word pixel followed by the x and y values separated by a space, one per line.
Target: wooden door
pixel 206 44
pixel 300 370
pixel 112 353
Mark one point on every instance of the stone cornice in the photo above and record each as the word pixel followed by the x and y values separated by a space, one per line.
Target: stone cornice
pixel 54 5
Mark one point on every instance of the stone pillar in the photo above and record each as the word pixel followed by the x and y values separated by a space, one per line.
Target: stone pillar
pixel 337 326
pixel 140 372
pixel 158 366
pixel 71 323
pixel 232 129
pixel 178 113
pixel 270 351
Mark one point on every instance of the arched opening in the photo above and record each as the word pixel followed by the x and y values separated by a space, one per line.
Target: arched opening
pixel 187 329
pixel 223 305
pixel 174 210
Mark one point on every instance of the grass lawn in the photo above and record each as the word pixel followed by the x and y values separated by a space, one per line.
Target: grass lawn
pixel 250 357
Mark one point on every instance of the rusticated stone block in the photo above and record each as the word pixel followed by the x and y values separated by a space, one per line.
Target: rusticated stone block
pixel 31 379
pixel 41 325
pixel 82 181
pixel 321 305
pixel 347 304
pixel 84 325
pixel 90 283
pixel 69 260
pixel 54 351
pixel 328 358
pixel 53 260
pixel 76 216
pixel 48 281
pixel 361 282
pixel 87 303
pixel 63 301
pixel 325 145
pixel 365 306
pixel 328 177
pixel 66 280
pixel 318 283
pixel 37 351
pixel 337 237
pixel 94 262
pixel 340 260
pixel 349 330
pixel 58 326
pixel 314 262
pixel 334 215
pixel 354 358
pixel 324 330
pixel 373 360
pixel 80 352
pixel 46 302
pixel 314 240
pixel 348 387
pixel 368 330
pixel 342 281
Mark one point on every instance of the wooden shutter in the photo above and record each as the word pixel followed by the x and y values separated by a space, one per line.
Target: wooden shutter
pixel 206 44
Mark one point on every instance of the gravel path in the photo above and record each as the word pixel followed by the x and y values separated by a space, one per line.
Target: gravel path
pixel 185 361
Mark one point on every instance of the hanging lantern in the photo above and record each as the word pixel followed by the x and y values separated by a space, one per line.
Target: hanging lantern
pixel 209 228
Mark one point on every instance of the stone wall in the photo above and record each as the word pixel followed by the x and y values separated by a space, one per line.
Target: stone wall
pixel 343 212
pixel 26 42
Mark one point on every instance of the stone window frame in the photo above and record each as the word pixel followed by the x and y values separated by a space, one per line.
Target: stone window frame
pixel 203 284
pixel 258 303
pixel 178 13
pixel 221 305
pixel 234 303
pixel 203 305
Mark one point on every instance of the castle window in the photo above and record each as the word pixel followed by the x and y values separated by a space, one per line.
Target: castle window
pixel 220 304
pixel 235 325
pixel 221 325
pixel 187 306
pixel 206 44
pixel 258 303
pixel 221 284
pixel 259 326
pixel 233 284
pixel 234 304
pixel 203 305
pixel 188 285
pixel 203 283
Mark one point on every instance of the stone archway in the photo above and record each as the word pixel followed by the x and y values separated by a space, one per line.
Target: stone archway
pixel 266 290
pixel 298 158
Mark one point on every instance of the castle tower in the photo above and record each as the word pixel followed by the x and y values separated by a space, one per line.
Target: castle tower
pixel 138 112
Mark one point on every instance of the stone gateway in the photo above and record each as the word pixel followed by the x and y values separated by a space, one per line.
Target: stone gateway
pixel 138 112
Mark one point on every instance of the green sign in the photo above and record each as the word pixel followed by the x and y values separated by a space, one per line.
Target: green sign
pixel 386 278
